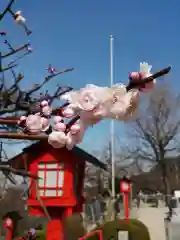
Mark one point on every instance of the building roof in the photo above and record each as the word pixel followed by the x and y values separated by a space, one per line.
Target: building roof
pixel 41 146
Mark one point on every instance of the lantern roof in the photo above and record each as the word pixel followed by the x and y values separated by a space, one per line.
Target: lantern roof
pixel 31 152
pixel 14 215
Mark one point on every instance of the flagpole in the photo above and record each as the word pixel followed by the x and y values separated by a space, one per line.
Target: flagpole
pixel 112 122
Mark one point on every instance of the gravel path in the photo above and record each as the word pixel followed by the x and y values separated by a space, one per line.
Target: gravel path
pixel 153 218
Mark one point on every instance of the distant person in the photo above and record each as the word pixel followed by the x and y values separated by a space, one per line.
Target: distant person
pixel 140 198
pixel 117 205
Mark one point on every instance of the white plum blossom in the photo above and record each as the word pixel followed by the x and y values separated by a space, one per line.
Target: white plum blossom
pixel 68 112
pixel 145 71
pixel 57 139
pixel 92 104
pixel 19 19
pixel 85 99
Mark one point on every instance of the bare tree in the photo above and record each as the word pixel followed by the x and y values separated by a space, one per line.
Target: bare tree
pixel 154 135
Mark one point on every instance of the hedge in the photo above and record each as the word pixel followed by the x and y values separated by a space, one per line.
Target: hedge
pixel 136 230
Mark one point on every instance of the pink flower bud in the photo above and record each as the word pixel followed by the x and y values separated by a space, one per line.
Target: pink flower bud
pixel 70 142
pixel 44 103
pixel 68 112
pixel 57 139
pixel 60 127
pixel 57 119
pixel 18 13
pixel 45 124
pixel 134 76
pixel 46 110
pixel 22 118
pixel 75 128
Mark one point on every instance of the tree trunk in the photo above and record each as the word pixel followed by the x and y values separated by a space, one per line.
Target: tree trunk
pixel 165 179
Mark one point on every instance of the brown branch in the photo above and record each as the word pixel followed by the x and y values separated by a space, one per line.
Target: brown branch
pixel 47 79
pixel 70 123
pixel 7 121
pixel 149 79
pixel 55 111
pixel 15 51
pixel 13 135
pixel 58 73
pixel 6 9
pixel 58 111
pixel 3 69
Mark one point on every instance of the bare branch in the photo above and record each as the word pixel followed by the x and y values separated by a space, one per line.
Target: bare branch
pixel 14 135
pixel 6 9
pixel 16 50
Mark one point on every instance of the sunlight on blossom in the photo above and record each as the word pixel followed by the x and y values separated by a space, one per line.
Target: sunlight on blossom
pixel 91 104
pixel 19 19
pixel 145 70
pixel 57 139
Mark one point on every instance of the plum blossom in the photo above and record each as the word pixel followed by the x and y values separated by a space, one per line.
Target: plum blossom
pixel 46 110
pixel 57 139
pixel 145 71
pixel 75 128
pixel 74 138
pixel 45 124
pixel 68 112
pixel 33 123
pixel 123 106
pixel 59 124
pixel 20 20
pixel 85 99
pixel 92 104
pixel 39 122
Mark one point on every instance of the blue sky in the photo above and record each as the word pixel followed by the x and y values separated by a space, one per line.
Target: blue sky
pixel 76 34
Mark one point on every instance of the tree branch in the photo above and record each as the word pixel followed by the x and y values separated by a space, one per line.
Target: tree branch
pixel 6 9
pixel 15 50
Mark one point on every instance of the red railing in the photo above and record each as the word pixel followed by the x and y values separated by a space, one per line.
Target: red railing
pixel 99 232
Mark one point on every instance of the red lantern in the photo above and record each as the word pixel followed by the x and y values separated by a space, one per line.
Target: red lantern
pixel 8 223
pixel 125 187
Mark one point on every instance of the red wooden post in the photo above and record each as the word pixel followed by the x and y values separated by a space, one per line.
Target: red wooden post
pixel 8 224
pixel 125 189
pixel 55 230
pixel 126 206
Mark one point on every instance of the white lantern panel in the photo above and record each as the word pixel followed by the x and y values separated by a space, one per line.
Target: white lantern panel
pixel 61 179
pixel 60 193
pixel 51 178
pixel 51 165
pixel 41 193
pixel 50 193
pixel 41 165
pixel 41 178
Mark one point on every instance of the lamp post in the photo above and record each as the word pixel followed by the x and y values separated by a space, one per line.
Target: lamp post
pixel 112 121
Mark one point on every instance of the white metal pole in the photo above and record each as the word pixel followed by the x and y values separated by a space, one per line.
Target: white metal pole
pixel 112 122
